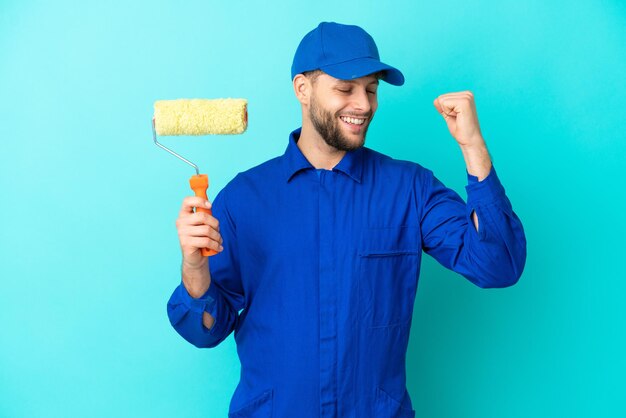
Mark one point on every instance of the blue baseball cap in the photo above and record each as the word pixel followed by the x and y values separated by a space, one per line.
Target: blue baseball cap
pixel 342 51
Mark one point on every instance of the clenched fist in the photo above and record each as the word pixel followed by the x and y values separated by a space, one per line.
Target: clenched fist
pixel 197 230
pixel 459 111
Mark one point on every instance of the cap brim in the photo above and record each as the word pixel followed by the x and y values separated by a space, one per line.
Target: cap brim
pixel 362 67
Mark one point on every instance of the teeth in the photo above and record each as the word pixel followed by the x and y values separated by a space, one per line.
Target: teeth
pixel 353 121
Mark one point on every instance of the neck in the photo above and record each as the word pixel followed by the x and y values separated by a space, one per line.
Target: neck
pixel 316 150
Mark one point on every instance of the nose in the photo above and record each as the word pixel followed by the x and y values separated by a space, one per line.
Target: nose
pixel 361 100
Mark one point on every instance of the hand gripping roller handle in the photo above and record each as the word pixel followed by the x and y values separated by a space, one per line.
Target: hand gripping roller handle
pixel 199 183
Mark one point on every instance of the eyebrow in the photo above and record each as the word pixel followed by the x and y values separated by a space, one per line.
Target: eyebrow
pixel 353 82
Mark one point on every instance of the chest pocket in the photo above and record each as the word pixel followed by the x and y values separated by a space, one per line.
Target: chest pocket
pixel 388 263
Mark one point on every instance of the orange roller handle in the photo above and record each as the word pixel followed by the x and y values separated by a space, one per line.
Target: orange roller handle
pixel 199 184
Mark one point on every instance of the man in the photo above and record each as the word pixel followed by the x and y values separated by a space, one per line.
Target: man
pixel 320 248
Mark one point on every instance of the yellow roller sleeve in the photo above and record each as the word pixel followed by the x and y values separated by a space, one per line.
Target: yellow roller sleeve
pixel 200 116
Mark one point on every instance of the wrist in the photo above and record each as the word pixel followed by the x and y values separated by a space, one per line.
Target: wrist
pixel 196 279
pixel 477 160
pixel 476 144
pixel 195 266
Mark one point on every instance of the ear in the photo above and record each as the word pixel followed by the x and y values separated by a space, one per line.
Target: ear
pixel 302 88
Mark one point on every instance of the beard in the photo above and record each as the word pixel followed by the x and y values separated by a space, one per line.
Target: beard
pixel 327 125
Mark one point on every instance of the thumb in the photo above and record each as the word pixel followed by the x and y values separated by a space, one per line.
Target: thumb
pixel 438 105
pixel 440 108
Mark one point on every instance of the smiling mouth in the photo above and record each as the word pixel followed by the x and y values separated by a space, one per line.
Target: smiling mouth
pixel 352 120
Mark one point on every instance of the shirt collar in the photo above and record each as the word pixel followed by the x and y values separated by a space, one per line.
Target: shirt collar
pixel 351 163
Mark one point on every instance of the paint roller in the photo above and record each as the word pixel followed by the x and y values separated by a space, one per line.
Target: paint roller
pixel 198 117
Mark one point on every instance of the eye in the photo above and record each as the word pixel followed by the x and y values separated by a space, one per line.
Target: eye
pixel 344 91
pixel 371 92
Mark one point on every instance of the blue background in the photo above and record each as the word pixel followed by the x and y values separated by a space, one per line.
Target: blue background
pixel 89 250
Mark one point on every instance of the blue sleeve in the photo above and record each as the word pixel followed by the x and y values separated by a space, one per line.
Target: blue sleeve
pixel 493 256
pixel 473 179
pixel 222 300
